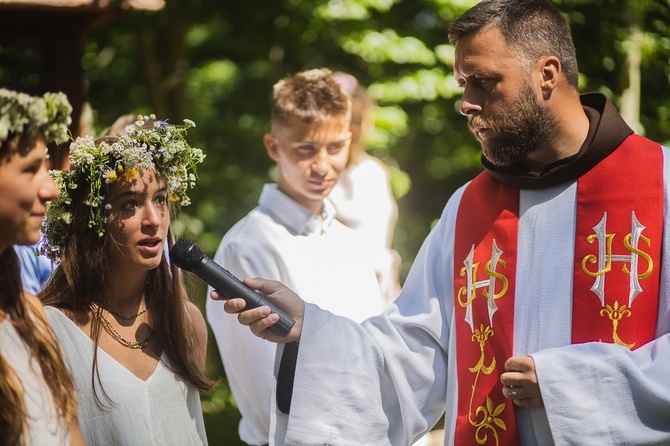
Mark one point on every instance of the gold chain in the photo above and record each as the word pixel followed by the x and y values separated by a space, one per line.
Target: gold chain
pixel 128 318
pixel 111 331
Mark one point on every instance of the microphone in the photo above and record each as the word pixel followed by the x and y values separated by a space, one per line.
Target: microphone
pixel 188 256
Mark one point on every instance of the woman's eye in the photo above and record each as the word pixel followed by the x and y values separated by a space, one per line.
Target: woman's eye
pixel 129 206
pixel 160 200
pixel 33 168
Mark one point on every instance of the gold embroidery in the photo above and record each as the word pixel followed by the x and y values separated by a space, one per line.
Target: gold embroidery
pixel 490 417
pixel 464 289
pixel 592 258
pixel 489 413
pixel 473 291
pixel 492 273
pixel 481 335
pixel 644 255
pixel 604 260
pixel 485 417
pixel 615 314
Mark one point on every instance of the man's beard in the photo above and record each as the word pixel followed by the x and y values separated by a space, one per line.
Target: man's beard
pixel 522 130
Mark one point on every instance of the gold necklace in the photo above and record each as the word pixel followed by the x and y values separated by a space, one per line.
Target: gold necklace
pixel 111 331
pixel 128 318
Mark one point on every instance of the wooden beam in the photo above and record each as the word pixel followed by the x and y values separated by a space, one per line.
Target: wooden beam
pixel 140 5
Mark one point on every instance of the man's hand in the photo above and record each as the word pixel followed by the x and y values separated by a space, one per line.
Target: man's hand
pixel 260 319
pixel 520 382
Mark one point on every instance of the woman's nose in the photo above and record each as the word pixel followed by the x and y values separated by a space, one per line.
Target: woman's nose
pixel 152 215
pixel 47 189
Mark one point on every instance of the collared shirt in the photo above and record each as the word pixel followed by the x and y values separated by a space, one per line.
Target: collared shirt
pixel 316 256
pixel 297 219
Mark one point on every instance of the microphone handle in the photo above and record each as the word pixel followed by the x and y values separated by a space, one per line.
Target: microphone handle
pixel 230 286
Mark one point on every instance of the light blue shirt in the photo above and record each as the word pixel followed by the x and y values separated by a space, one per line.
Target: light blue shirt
pixel 35 269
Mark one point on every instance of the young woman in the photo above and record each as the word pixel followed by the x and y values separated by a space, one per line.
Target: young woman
pixel 37 402
pixel 135 343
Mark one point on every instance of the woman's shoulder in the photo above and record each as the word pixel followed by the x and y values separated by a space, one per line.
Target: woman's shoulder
pixel 194 311
pixel 34 302
pixel 199 324
pixel 199 328
pixel 53 313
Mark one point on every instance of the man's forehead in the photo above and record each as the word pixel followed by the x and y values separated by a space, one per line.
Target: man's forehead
pixel 317 131
pixel 483 50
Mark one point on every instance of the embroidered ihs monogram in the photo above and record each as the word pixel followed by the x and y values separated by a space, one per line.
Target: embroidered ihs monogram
pixel 604 259
pixel 470 290
pixel 618 234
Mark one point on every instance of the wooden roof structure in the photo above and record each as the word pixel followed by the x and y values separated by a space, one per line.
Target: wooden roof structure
pixel 57 31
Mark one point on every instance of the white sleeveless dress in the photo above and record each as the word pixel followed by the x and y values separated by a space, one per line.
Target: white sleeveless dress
pixel 163 410
pixel 44 426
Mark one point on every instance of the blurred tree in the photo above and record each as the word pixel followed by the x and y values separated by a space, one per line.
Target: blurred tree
pixel 215 63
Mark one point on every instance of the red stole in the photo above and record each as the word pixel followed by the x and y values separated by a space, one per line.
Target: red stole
pixel 618 251
pixel 484 281
pixel 619 220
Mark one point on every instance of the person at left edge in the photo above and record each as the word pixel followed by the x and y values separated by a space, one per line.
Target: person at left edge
pixel 37 397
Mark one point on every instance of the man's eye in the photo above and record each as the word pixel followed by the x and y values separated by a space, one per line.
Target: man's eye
pixel 334 148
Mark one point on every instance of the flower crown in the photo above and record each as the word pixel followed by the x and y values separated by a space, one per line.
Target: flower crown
pixel 160 147
pixel 22 113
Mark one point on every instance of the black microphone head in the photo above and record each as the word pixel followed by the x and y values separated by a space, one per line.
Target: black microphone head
pixel 186 254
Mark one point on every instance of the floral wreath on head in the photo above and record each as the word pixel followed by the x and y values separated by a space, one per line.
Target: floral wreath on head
pixel 161 147
pixel 21 113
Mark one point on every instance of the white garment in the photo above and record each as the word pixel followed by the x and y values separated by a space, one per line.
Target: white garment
pixel 44 426
pixel 400 366
pixel 163 410
pixel 364 202
pixel 314 255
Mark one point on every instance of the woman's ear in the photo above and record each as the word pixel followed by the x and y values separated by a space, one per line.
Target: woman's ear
pixel 271 146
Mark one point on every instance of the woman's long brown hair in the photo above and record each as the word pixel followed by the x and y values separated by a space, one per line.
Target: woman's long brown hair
pixel 81 278
pixel 37 336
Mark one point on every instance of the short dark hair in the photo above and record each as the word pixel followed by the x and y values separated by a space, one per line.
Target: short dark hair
pixel 535 28
pixel 310 96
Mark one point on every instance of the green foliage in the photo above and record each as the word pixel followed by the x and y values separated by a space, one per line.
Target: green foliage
pixel 215 62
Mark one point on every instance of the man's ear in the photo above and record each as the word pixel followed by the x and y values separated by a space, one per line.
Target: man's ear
pixel 271 146
pixel 550 70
